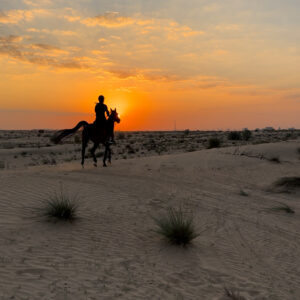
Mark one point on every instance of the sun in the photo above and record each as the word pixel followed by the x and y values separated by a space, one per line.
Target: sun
pixel 121 105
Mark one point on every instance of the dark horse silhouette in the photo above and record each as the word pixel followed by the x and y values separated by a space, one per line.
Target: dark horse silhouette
pixel 95 134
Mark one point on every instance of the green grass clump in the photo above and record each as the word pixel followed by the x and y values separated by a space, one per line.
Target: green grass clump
pixel 176 227
pixel 284 207
pixel 61 207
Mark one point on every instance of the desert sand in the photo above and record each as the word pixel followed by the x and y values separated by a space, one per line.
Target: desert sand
pixel 112 250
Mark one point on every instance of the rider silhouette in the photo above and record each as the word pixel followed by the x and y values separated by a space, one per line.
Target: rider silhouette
pixel 101 110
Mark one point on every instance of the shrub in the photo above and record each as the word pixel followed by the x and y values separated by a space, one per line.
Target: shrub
pixel 275 159
pixel 61 207
pixel 121 136
pixel 288 182
pixel 246 134
pixel 234 136
pixel 77 139
pixel 284 207
pixel 233 295
pixel 213 143
pixel 176 228
pixel 243 193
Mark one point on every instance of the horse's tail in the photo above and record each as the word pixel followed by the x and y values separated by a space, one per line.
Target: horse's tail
pixel 58 136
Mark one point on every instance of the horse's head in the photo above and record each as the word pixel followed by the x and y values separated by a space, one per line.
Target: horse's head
pixel 114 115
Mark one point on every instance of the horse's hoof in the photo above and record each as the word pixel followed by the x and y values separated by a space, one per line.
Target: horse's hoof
pixel 104 165
pixel 82 165
pixel 95 164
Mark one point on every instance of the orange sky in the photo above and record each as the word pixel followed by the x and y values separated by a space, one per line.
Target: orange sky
pixel 206 65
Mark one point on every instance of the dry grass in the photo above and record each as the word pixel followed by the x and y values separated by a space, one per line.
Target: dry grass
pixel 61 206
pixel 233 295
pixel 285 208
pixel 287 184
pixel 176 227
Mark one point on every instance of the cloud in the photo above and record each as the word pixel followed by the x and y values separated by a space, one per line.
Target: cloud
pixel 144 74
pixel 53 32
pixel 213 7
pixel 11 39
pixel 15 16
pixel 109 19
pixel 38 3
pixel 45 47
pixel 51 56
pixel 145 26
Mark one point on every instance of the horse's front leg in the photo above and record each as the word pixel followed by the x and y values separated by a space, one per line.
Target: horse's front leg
pixel 105 154
pixel 93 153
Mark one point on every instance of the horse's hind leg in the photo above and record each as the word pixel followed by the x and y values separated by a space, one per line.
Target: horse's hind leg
pixel 84 144
pixel 93 153
pixel 109 155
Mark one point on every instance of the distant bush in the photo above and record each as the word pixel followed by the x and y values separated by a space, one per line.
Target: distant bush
pixel 121 136
pixel 130 149
pixel 234 136
pixel 176 228
pixel 213 143
pixel 77 139
pixel 246 134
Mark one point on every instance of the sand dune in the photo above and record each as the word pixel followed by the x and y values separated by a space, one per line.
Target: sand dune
pixel 112 252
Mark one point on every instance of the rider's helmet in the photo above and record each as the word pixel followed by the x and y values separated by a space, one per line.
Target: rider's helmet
pixel 101 99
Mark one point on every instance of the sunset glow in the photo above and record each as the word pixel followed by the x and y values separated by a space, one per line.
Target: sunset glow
pixel 202 64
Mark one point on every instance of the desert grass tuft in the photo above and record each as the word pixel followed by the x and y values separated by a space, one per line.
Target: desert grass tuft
pixel 233 295
pixel 61 206
pixel 275 159
pixel 288 183
pixel 176 227
pixel 243 193
pixel 285 208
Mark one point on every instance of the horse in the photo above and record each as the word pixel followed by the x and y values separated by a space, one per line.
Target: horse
pixel 96 135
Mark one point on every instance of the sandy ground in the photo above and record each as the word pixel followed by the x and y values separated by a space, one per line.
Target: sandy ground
pixel 112 252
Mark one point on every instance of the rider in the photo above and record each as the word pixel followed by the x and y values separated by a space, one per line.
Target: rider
pixel 101 110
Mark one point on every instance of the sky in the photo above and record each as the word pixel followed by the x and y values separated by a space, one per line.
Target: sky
pixel 220 64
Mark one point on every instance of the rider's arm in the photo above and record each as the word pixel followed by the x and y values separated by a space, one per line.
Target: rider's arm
pixel 107 112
